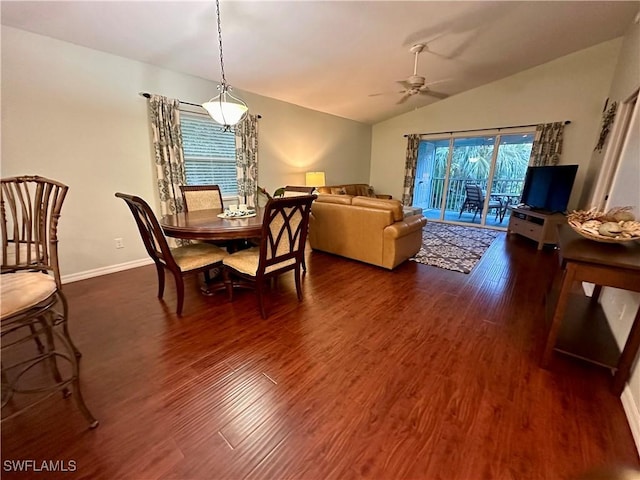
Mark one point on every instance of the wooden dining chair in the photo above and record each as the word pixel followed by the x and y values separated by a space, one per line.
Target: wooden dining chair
pixel 180 261
pixel 201 197
pixel 32 305
pixel 284 233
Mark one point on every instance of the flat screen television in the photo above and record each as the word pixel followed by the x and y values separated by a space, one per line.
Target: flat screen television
pixel 548 188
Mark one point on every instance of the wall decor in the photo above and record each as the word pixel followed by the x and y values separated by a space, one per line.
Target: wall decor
pixel 607 120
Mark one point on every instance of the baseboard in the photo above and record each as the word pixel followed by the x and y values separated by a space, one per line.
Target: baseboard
pixel 633 415
pixel 75 277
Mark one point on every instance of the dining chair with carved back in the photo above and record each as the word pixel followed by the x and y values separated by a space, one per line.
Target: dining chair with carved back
pixel 284 232
pixel 296 191
pixel 32 304
pixel 181 261
pixel 201 197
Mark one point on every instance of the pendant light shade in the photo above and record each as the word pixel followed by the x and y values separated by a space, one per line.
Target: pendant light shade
pixel 226 109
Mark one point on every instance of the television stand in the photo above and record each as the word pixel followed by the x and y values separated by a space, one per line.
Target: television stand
pixel 535 225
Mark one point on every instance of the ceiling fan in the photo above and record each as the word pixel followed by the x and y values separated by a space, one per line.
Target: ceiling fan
pixel 415 84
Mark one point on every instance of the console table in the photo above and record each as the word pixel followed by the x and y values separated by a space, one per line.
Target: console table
pixel 604 264
pixel 537 226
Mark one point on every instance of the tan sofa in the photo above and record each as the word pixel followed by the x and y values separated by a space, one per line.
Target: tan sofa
pixel 367 229
pixel 354 189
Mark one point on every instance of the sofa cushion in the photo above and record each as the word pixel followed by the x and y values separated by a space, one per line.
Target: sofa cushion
pixel 329 198
pixel 393 205
pixel 23 290
pixel 354 189
pixel 338 191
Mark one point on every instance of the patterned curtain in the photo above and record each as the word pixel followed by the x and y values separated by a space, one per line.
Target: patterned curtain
pixel 247 159
pixel 413 142
pixel 167 143
pixel 547 145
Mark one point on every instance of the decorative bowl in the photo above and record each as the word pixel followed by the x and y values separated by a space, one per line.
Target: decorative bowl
pixel 238 213
pixel 587 223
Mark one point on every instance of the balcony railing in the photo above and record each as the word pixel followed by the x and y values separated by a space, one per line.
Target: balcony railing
pixel 429 194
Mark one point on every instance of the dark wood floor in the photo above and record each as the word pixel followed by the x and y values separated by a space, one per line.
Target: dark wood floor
pixel 415 373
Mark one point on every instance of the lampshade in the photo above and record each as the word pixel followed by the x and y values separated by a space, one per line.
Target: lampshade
pixel 315 179
pixel 225 108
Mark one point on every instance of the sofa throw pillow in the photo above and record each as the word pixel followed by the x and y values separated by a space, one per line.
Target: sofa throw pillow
pixel 361 190
pixel 370 192
pixel 338 191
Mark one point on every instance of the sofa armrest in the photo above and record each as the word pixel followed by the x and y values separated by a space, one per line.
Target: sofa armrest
pixel 405 227
pixel 385 197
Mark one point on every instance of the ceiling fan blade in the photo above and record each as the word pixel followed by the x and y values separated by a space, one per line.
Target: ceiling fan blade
pixel 436 82
pixel 403 99
pixel 386 93
pixel 431 93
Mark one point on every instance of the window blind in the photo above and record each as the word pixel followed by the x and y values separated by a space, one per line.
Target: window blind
pixel 209 153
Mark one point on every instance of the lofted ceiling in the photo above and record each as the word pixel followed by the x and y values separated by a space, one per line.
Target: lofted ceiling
pixel 331 56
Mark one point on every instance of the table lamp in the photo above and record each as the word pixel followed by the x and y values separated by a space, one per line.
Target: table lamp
pixel 314 179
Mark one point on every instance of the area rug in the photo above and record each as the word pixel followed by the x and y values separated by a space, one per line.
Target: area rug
pixel 453 247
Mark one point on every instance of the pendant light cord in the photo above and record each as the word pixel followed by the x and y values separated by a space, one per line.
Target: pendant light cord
pixel 224 79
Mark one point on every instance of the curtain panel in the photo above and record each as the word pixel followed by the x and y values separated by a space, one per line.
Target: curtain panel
pixel 247 159
pixel 547 144
pixel 167 143
pixel 411 161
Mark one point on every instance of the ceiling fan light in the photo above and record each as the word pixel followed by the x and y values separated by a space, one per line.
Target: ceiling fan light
pixel 226 109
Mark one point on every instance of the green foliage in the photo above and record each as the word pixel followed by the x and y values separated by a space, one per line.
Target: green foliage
pixel 511 163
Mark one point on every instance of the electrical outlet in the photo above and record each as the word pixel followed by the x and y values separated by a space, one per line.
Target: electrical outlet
pixel 119 243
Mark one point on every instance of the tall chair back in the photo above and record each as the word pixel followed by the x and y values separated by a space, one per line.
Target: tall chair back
pixel 474 194
pixel 150 231
pixel 30 207
pixel 284 232
pixel 201 197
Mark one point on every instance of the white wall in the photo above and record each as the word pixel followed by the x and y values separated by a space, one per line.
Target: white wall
pixel 74 114
pixel 573 88
pixel 620 306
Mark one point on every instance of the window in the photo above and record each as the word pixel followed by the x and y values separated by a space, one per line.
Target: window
pixel 209 153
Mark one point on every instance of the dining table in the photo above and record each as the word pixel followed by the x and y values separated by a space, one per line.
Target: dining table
pixel 207 225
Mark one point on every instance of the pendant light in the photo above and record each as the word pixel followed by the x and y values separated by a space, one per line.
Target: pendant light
pixel 225 109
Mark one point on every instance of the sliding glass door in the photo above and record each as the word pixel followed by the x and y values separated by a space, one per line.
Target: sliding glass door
pixel 469 170
pixel 511 167
pixel 471 179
